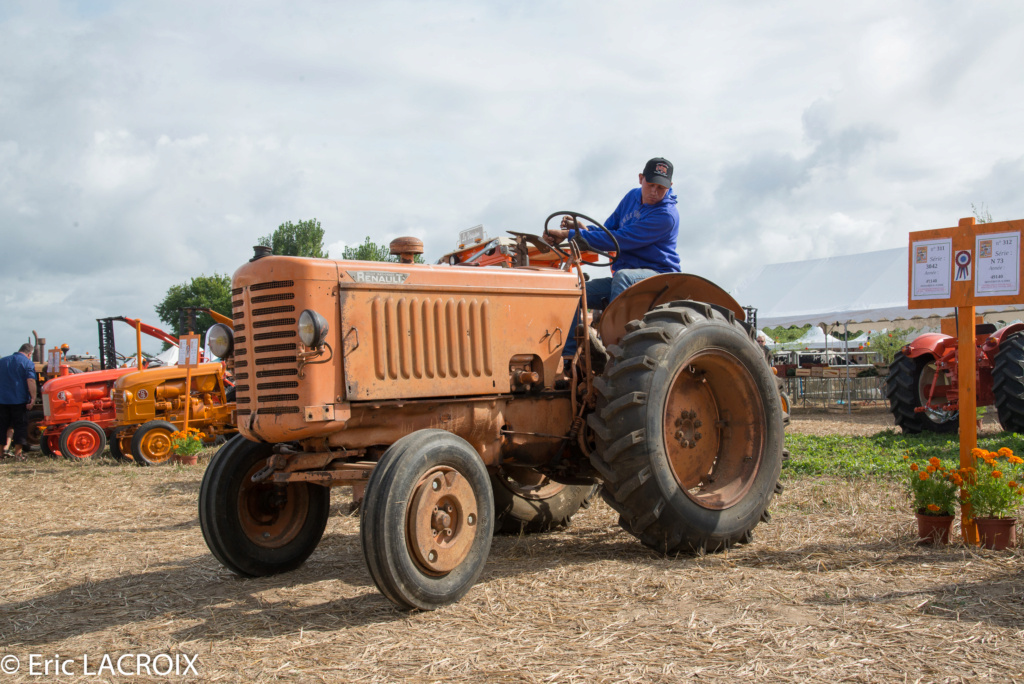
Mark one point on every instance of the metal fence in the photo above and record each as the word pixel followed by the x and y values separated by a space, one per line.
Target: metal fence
pixel 831 392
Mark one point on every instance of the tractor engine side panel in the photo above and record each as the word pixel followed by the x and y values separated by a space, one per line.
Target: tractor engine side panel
pixel 452 332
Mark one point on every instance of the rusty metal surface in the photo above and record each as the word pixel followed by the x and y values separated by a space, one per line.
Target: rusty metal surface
pixel 442 520
pixel 271 515
pixel 668 287
pixel 396 331
pixel 713 445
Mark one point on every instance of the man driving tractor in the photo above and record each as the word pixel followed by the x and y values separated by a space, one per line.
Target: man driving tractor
pixel 646 225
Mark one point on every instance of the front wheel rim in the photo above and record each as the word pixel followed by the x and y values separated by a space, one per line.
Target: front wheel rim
pixel 82 443
pixel 155 446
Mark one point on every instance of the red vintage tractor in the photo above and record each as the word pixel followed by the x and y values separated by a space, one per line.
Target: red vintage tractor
pixel 78 407
pixel 923 389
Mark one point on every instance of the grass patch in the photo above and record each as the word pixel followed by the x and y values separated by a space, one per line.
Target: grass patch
pixel 881 454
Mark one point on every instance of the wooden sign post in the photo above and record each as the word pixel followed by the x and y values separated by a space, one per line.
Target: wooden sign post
pixel 188 356
pixel 964 267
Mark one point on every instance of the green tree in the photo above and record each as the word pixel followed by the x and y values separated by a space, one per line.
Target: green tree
pixel 371 251
pixel 790 334
pixel 888 343
pixel 211 292
pixel 303 239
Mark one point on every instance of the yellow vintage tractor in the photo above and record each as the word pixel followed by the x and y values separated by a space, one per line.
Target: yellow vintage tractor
pixel 151 404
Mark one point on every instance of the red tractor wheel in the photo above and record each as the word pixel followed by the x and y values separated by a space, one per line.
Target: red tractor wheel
pixel 82 439
pixel 49 445
pixel 908 386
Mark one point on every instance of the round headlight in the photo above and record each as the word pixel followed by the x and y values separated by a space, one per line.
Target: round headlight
pixel 312 328
pixel 221 340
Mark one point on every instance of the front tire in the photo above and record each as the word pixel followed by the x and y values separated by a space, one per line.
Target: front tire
pixel 1008 383
pixel 427 520
pixel 258 529
pixel 906 387
pixel 151 444
pixel 689 431
pixel 81 440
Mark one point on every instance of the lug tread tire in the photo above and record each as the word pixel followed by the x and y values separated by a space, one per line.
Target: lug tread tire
pixel 515 514
pixel 1008 383
pixel 901 390
pixel 222 529
pixel 638 482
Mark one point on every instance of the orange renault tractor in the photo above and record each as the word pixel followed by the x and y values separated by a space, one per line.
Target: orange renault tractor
pixel 151 404
pixel 78 407
pixel 439 388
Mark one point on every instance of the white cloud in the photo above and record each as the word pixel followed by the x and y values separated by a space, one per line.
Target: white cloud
pixel 142 144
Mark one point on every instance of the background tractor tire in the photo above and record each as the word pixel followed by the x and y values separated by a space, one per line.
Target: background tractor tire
pixel 258 529
pixel 35 431
pixel 49 445
pixel 688 428
pixel 526 501
pixel 151 443
pixel 82 439
pixel 784 401
pixel 120 447
pixel 903 388
pixel 1008 383
pixel 427 520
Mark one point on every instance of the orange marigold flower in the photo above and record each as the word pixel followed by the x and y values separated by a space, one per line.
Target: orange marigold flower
pixel 930 469
pixel 905 457
pixel 977 453
pixel 923 475
pixel 934 508
pixel 913 466
pixel 1005 452
pixel 1011 484
pixel 996 474
pixel 1016 460
pixel 935 461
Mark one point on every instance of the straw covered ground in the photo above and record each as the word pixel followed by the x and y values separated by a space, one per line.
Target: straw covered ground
pixel 104 559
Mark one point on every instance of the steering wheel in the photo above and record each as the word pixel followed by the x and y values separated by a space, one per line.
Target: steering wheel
pixel 576 215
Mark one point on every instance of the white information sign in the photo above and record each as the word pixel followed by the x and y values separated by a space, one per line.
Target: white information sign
pixel 932 269
pixel 998 265
pixel 53 362
pixel 188 352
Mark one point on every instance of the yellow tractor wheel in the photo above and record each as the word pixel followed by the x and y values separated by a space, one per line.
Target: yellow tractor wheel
pixel 151 444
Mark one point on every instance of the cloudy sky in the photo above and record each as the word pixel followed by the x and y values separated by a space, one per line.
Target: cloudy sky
pixel 143 143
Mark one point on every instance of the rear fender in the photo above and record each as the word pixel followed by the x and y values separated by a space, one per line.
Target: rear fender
pixel 991 345
pixel 632 304
pixel 933 344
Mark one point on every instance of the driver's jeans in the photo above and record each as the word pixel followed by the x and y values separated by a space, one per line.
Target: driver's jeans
pixel 601 291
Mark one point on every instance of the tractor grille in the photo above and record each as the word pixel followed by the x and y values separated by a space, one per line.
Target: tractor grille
pixel 430 338
pixel 254 323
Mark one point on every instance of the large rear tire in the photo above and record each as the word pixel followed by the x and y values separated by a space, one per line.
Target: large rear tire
pixel 81 440
pixel 1008 383
pixel 427 520
pixel 907 389
pixel 526 501
pixel 689 431
pixel 258 529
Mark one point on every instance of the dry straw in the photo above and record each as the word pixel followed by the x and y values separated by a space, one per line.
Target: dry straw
pixel 98 558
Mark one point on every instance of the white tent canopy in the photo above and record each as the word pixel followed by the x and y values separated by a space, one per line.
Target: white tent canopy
pixel 814 338
pixel 845 289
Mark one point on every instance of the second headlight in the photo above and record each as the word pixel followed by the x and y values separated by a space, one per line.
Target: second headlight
pixel 221 340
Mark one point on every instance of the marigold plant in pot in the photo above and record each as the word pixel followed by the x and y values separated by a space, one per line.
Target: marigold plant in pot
pixel 186 445
pixel 932 488
pixel 993 488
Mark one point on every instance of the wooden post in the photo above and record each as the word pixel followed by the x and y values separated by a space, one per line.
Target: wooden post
pixel 968 402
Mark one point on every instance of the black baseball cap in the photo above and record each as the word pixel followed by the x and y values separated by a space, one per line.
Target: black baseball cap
pixel 659 170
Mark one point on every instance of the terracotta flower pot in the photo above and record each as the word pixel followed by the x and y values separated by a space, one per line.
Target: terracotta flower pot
pixel 934 529
pixel 187 460
pixel 997 533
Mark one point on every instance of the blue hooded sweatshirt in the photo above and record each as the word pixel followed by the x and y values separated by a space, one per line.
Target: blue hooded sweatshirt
pixel 647 233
